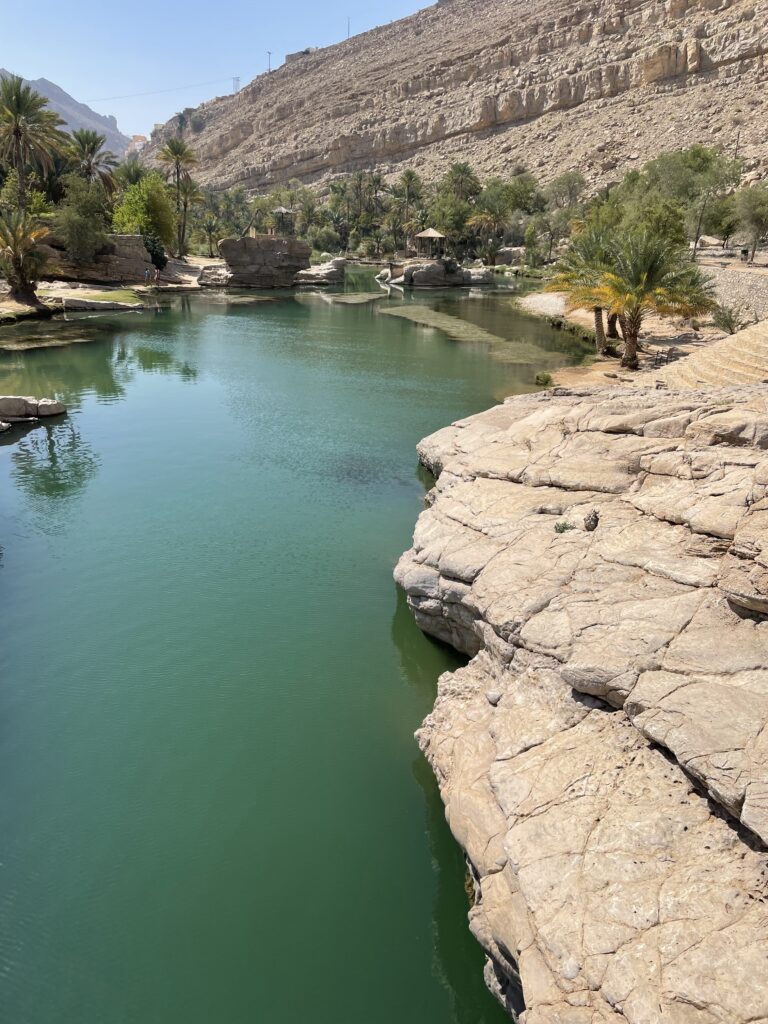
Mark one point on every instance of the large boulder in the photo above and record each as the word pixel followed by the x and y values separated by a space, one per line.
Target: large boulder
pixel 123 260
pixel 266 261
pixel 510 256
pixel 331 272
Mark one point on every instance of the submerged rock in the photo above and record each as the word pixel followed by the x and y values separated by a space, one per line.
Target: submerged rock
pixel 613 801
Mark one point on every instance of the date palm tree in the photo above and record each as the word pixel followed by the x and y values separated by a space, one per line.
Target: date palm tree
pixel 645 274
pixel 29 132
pixel 190 195
pixel 92 161
pixel 179 157
pixel 462 181
pixel 587 258
pixel 21 258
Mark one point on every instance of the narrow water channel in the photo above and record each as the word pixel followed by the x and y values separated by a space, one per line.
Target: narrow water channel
pixel 212 808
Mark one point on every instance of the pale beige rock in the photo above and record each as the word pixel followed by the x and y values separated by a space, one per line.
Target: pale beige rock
pixel 266 261
pixel 623 662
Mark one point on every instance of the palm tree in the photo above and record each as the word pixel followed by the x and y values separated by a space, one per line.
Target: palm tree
pixel 130 172
pixel 21 259
pixel 190 195
pixel 93 162
pixel 410 185
pixel 580 269
pixel 647 274
pixel 180 157
pixel 28 131
pixel 462 181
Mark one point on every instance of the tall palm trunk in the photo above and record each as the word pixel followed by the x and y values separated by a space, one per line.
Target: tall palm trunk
pixel 630 324
pixel 600 343
pixel 21 172
pixel 178 209
pixel 612 329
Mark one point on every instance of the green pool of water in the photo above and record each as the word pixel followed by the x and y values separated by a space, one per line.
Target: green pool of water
pixel 212 808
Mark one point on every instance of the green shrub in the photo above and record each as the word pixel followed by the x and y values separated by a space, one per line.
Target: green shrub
pixel 563 527
pixel 156 251
pixel 81 220
pixel 730 318
pixel 543 380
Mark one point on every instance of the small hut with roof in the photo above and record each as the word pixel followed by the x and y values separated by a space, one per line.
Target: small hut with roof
pixel 430 244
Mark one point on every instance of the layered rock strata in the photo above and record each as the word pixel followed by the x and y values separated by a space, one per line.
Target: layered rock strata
pixel 264 261
pixel 599 86
pixel 603 757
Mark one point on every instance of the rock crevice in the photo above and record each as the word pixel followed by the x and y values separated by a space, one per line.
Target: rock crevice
pixel 603 757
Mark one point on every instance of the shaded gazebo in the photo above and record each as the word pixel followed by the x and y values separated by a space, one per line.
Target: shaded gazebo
pixel 430 244
pixel 283 221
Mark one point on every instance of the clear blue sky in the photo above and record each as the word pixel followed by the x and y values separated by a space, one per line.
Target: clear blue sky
pixel 108 49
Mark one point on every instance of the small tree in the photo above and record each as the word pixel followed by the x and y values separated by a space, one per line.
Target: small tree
pixel 752 211
pixel 647 274
pixel 21 259
pixel 580 272
pixel 81 218
pixel 145 209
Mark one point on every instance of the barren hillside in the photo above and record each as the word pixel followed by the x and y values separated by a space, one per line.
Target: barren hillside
pixel 553 84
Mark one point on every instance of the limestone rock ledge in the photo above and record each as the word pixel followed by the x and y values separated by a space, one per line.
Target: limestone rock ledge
pixel 603 758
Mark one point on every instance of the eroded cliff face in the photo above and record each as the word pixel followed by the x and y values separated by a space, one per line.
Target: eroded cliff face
pixel 554 85
pixel 603 758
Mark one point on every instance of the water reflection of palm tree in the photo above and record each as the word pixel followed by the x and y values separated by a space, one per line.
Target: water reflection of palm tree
pixel 53 463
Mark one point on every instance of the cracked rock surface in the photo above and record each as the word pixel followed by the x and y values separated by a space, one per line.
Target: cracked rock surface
pixel 603 758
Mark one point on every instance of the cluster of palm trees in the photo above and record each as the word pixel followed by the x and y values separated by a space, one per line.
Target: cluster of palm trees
pixel 629 275
pixel 36 154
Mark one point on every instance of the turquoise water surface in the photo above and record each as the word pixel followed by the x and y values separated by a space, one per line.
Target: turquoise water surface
pixel 212 807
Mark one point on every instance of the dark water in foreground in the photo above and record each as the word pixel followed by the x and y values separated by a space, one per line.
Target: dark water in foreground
pixel 212 808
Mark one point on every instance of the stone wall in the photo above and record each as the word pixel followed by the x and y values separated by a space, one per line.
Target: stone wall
pixel 123 260
pixel 745 287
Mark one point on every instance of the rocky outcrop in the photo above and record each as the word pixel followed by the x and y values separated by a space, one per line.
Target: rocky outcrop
pixel 441 274
pixel 17 409
pixel 123 260
pixel 266 261
pixel 331 272
pixel 603 757
pixel 598 86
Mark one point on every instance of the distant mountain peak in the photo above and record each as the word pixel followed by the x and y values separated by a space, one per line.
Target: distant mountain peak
pixel 78 115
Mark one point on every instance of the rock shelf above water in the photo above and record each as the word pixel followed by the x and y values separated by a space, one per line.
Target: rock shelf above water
pixel 17 409
pixel 603 758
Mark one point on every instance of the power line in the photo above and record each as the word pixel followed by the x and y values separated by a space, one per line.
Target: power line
pixel 157 92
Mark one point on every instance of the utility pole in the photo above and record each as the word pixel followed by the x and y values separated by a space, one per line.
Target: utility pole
pixel 349 22
pixel 269 61
pixel 236 83
pixel 738 137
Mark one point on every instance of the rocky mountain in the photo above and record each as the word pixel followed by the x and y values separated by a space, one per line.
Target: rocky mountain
pixel 78 115
pixel 552 84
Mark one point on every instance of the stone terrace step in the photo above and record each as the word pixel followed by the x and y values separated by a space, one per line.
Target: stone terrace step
pixel 739 359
